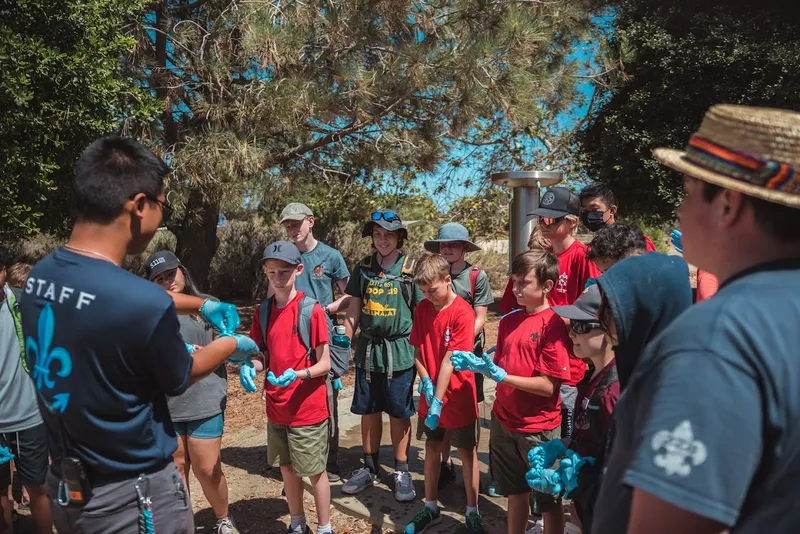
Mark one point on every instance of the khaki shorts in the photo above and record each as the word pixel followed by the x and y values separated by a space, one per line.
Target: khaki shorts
pixel 305 448
pixel 508 454
pixel 465 437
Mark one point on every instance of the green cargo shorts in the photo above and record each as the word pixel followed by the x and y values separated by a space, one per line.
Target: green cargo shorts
pixel 305 448
pixel 465 437
pixel 509 462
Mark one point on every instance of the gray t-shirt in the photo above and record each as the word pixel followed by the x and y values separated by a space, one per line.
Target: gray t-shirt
pixel 322 267
pixel 207 397
pixel 20 410
pixel 709 422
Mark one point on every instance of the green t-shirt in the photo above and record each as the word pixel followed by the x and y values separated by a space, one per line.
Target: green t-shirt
pixel 482 297
pixel 322 267
pixel 384 316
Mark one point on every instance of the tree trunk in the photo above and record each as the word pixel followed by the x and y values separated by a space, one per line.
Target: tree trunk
pixel 197 238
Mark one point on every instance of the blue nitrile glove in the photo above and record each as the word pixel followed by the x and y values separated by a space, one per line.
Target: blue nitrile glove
pixel 5 455
pixel 246 348
pixel 569 468
pixel 496 373
pixel 221 315
pixel 466 361
pixel 337 384
pixel 286 378
pixel 544 480
pixel 425 388
pixel 247 376
pixel 189 348
pixel 677 240
pixel 545 454
pixel 434 413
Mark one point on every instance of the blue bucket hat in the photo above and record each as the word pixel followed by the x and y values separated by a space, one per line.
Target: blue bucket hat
pixel 451 232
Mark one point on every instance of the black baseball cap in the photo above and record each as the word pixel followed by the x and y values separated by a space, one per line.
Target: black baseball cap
pixel 558 202
pixel 284 251
pixel 160 262
pixel 585 308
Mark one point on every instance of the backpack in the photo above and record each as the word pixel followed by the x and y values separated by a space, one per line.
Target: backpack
pixel 340 356
pixel 406 277
pixel 474 273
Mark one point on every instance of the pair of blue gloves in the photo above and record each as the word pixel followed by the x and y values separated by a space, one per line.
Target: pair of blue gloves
pixel 224 317
pixel 426 389
pixel 677 240
pixel 247 376
pixel 467 361
pixel 5 455
pixel 544 479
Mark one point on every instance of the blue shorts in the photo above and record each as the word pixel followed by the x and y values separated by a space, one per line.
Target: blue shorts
pixel 395 396
pixel 208 428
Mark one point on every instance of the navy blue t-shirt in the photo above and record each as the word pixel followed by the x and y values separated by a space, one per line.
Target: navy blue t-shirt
pixel 709 421
pixel 105 349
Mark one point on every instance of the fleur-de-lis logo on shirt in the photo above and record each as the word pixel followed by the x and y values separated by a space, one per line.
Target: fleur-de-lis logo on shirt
pixel 678 450
pixel 43 355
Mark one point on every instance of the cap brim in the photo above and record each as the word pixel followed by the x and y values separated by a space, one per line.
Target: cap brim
pixel 676 159
pixel 167 266
pixel 553 214
pixel 573 313
pixel 294 217
pixel 433 245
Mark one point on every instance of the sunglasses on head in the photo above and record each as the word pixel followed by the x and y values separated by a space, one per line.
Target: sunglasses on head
pixel 388 216
pixel 550 221
pixel 584 327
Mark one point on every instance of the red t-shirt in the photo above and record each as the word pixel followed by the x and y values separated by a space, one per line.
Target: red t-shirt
pixel 587 438
pixel 303 402
pixel 531 345
pixel 650 246
pixel 435 333
pixel 574 270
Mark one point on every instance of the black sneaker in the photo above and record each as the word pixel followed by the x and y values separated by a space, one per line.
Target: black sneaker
pixel 474 523
pixel 447 474
pixel 425 518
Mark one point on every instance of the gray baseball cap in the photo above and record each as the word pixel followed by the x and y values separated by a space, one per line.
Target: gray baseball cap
pixel 296 211
pixel 160 262
pixel 585 308
pixel 284 251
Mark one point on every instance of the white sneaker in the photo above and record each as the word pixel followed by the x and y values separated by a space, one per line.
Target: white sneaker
pixel 360 480
pixel 537 528
pixel 404 487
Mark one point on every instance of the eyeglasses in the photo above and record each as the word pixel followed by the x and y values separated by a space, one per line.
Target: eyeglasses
pixel 584 327
pixel 166 207
pixel 388 216
pixel 550 221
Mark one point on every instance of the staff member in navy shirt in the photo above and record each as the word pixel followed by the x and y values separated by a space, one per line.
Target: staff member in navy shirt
pixel 707 439
pixel 103 361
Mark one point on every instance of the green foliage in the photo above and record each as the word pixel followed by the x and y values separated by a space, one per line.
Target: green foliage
pixel 485 215
pixel 683 58
pixel 63 85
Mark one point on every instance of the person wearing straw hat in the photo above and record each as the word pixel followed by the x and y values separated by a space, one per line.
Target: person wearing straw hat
pixel 706 436
pixel 472 284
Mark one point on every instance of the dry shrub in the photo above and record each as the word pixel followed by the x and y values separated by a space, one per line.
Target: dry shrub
pixel 34 248
pixel 495 264
pixel 163 240
pixel 235 268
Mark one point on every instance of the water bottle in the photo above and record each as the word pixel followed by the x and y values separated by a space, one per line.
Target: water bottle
pixel 339 337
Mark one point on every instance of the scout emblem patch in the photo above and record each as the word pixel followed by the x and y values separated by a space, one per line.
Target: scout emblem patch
pixel 318 270
pixel 447 337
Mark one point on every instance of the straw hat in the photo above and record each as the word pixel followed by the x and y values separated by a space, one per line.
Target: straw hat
pixel 752 150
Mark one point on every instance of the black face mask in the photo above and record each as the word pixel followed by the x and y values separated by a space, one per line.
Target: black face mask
pixel 593 220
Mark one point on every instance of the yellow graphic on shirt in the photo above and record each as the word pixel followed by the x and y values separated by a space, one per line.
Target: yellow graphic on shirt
pixel 377 309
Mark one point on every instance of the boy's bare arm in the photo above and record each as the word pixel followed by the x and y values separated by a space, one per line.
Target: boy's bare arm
pixel 186 304
pixel 343 302
pixel 353 316
pixel 421 371
pixel 538 385
pixel 445 372
pixel 323 365
pixel 480 318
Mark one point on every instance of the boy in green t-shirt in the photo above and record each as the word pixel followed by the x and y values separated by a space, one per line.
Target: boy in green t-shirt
pixel 472 284
pixel 385 295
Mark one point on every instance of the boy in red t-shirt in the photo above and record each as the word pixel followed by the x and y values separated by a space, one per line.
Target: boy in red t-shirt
pixel 448 410
pixel 531 362
pixel 297 399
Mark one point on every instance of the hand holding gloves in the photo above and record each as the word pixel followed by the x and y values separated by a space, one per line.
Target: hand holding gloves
pixel 467 361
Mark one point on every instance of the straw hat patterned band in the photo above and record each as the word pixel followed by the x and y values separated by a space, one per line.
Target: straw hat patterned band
pixel 752 150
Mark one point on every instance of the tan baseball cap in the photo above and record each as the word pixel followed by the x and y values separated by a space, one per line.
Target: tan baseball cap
pixel 296 211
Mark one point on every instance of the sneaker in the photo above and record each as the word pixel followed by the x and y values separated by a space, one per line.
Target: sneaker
pixel 404 487
pixel 492 492
pixel 334 477
pixel 359 481
pixel 474 523
pixel 447 474
pixel 538 528
pixel 226 526
pixel 290 530
pixel 424 519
